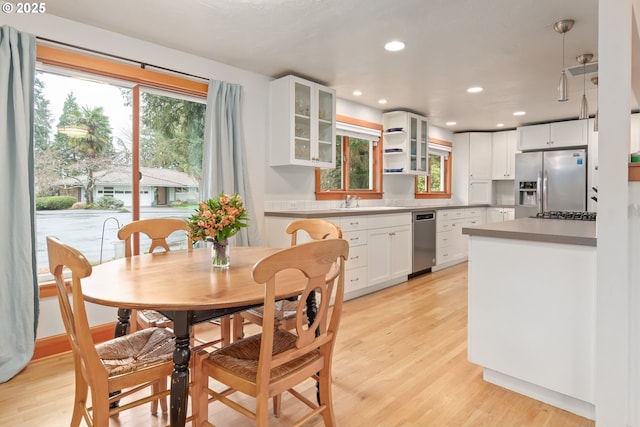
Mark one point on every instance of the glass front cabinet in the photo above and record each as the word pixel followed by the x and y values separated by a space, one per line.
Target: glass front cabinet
pixel 303 123
pixel 406 143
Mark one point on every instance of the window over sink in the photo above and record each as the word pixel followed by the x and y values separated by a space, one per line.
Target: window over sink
pixel 358 162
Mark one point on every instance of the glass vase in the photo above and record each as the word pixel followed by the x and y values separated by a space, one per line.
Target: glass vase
pixel 220 254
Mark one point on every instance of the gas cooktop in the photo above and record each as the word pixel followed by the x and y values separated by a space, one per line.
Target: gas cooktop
pixel 575 215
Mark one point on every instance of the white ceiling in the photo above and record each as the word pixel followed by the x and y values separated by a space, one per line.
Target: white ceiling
pixel 508 47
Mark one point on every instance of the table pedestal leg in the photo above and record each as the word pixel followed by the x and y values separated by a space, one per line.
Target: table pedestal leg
pixel 180 374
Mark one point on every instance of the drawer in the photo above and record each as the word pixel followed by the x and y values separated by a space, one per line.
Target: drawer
pixel 355 279
pixel 388 220
pixel 447 214
pixel 357 257
pixel 355 238
pixel 351 223
pixel 443 257
pixel 443 239
pixel 474 212
pixel 451 224
pixel 472 222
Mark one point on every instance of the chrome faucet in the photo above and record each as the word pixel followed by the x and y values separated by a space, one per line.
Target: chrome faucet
pixel 349 199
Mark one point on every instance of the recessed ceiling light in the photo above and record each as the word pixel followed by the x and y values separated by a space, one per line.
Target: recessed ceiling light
pixel 357 93
pixel 451 123
pixel 500 125
pixel 382 101
pixel 519 113
pixel 475 89
pixel 394 46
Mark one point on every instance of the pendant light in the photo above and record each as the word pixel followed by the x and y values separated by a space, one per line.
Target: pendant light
pixel 594 80
pixel 562 27
pixel 584 59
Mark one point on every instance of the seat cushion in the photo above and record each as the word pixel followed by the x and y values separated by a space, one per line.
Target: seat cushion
pixel 285 309
pixel 142 348
pixel 153 318
pixel 242 356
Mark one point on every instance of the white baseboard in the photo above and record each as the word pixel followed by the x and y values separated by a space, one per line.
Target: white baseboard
pixel 559 400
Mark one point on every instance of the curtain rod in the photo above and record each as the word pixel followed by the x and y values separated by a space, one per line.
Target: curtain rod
pixel 142 65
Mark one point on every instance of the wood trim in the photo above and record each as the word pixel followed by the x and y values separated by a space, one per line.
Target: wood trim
pixel 63 58
pixel 376 193
pixel 446 194
pixel 55 344
pixel 634 172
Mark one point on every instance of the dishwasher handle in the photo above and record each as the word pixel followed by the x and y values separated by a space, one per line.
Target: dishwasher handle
pixel 427 216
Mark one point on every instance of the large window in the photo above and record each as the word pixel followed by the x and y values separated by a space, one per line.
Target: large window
pixel 111 149
pixel 357 168
pixel 438 183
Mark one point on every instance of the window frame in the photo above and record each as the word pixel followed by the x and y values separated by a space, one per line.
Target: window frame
pixel 138 77
pixel 446 194
pixel 376 192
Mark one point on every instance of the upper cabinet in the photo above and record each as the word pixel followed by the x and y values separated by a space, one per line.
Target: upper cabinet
pixel 480 154
pixel 303 123
pixel 504 154
pixel 406 143
pixel 553 135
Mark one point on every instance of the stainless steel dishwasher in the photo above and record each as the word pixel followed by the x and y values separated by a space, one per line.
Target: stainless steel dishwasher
pixel 424 241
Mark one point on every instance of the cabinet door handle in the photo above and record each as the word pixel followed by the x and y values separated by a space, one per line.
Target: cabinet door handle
pixel 392 234
pixel 355 280
pixel 354 257
pixel 354 238
pixel 354 223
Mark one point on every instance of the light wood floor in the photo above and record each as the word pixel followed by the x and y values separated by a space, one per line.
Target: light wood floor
pixel 400 360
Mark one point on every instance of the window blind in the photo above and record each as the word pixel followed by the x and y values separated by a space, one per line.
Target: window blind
pixel 355 131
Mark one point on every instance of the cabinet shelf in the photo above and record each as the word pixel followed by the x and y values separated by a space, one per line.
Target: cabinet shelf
pixel 405 139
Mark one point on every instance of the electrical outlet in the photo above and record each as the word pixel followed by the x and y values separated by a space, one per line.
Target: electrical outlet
pixel 293 204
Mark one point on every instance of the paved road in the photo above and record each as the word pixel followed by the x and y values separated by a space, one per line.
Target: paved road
pixel 83 229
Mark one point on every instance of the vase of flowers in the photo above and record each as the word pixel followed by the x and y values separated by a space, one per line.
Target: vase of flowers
pixel 216 220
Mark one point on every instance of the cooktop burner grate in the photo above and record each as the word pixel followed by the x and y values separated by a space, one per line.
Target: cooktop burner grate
pixel 572 215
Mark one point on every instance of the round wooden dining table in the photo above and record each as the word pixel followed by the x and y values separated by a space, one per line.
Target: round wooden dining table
pixel 185 287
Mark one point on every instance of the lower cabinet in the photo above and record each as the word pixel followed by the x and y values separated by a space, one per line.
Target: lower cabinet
pixel 500 214
pixel 389 257
pixel 379 248
pixel 451 244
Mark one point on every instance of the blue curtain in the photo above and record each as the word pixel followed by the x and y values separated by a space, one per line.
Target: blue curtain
pixel 18 274
pixel 224 165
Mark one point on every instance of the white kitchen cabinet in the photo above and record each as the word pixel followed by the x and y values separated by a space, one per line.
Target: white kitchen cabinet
pixel 354 231
pixel 389 248
pixel 500 214
pixel 480 191
pixel 303 123
pixel 472 154
pixel 379 248
pixel 504 146
pixel 406 143
pixel 480 154
pixel 570 133
pixel 451 244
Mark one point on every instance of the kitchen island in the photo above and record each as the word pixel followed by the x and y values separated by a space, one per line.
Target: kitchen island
pixel 532 308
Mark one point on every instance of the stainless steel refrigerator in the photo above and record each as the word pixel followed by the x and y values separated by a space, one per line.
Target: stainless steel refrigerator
pixel 550 181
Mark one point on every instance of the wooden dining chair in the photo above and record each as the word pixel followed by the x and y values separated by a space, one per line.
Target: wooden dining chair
pixel 158 230
pixel 267 364
pixel 309 228
pixel 127 364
